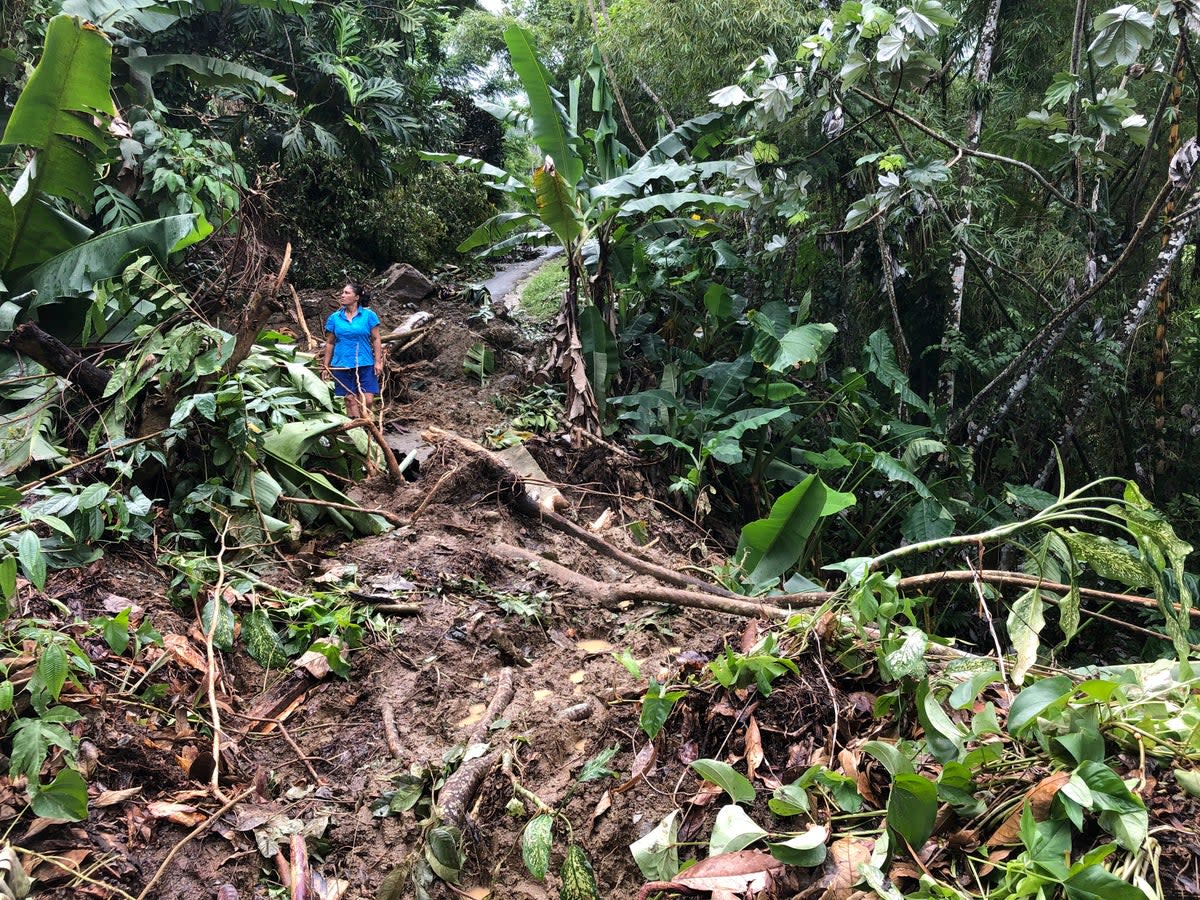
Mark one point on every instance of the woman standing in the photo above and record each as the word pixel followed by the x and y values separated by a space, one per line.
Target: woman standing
pixel 354 351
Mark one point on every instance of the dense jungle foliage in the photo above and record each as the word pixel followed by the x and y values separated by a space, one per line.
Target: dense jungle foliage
pixel 885 291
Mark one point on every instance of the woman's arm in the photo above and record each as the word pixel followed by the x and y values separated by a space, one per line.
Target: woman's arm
pixel 377 345
pixel 329 342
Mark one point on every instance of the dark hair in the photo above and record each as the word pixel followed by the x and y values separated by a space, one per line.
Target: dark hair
pixel 364 299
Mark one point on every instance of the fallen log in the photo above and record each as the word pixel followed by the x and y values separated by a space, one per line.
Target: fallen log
pixel 30 340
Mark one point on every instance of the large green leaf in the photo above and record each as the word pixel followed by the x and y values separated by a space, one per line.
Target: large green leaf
pixel 299 481
pixel 75 271
pixel 207 70
pixel 23 435
pixel 769 547
pixel 40 231
pixel 669 203
pixel 61 111
pixel 496 229
pixel 501 180
pixel 556 204
pixel 1121 33
pixel 912 808
pixel 550 129
pixel 8 228
pixel 1025 624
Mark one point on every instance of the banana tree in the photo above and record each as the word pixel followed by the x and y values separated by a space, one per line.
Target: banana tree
pixel 588 201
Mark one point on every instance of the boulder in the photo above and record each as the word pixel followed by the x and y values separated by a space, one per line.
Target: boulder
pixel 406 283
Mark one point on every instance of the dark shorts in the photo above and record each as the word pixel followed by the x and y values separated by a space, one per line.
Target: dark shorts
pixel 355 381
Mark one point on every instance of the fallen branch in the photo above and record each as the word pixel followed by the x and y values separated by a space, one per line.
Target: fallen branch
pixel 513 491
pixel 346 507
pixel 390 734
pixel 255 314
pixel 299 868
pixel 312 344
pixel 456 794
pixel 187 838
pixel 393 466
pixel 999 576
pixel 609 594
pixel 30 340
pixel 428 498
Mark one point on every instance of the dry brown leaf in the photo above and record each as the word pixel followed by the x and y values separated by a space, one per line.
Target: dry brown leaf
pixel 179 813
pixel 754 748
pixel 707 794
pixel 595 647
pixel 845 858
pixel 58 867
pixel 643 765
pixel 1039 797
pixel 112 798
pixel 603 805
pixel 746 870
pixel 184 653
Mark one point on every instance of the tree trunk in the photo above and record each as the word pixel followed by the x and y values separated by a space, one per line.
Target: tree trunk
pixel 49 351
pixel 566 356
pixel 980 75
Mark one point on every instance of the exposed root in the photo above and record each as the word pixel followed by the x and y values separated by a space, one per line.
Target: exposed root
pixel 456 794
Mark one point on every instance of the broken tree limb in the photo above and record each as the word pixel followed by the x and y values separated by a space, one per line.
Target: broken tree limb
pixel 255 314
pixel 393 466
pixel 417 322
pixel 998 576
pixel 456 794
pixel 608 594
pixel 299 868
pixel 296 305
pixel 390 734
pixel 503 695
pixel 30 340
pixel 513 491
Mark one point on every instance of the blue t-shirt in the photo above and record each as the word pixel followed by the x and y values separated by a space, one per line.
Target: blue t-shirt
pixel 352 338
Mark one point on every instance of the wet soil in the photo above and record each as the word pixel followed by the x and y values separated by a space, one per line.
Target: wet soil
pixel 311 754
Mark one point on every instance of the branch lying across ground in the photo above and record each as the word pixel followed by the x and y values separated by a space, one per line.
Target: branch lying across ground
pixel 393 466
pixel 609 594
pixel 514 493
pixel 456 794
pixel 30 340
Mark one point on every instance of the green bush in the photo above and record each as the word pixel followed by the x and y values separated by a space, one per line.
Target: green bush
pixel 339 224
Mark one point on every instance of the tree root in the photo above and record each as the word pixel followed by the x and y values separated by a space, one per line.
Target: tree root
pixel 390 735
pixel 513 492
pixel 611 594
pixel 460 788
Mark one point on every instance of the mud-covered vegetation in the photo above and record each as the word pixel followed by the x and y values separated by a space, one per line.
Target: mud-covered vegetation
pixel 816 522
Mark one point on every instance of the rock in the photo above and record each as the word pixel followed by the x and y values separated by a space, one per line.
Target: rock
pixel 406 283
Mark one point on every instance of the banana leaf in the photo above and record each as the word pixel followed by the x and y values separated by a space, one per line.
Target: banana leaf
pixel 771 546
pixel 670 203
pixel 57 112
pixel 299 482
pixel 496 229
pixel 556 204
pixel 501 180
pixel 550 129
pixel 207 70
pixel 75 271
